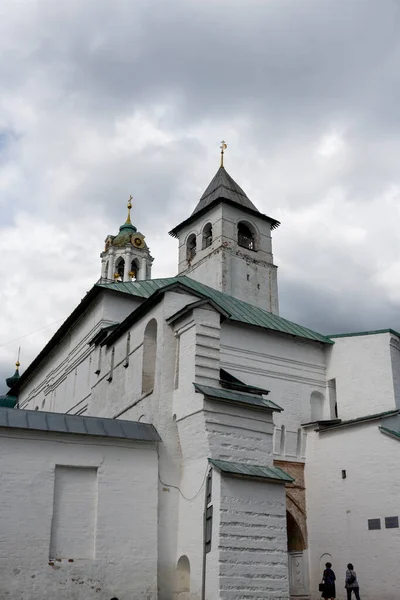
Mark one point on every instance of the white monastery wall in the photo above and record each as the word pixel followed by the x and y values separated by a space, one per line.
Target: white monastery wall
pixel 78 517
pixel 220 431
pixel 248 275
pixel 362 368
pixel 252 540
pixel 239 434
pixel 63 381
pixel 214 217
pixel 338 509
pixel 198 342
pixel 123 396
pixel 224 265
pixel 291 369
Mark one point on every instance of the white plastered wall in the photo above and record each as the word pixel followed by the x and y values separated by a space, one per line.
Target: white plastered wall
pixel 292 370
pixel 224 265
pixel 338 509
pixel 362 368
pixel 124 555
pixel 63 382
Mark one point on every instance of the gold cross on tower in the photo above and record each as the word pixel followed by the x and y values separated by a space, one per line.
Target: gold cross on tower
pixel 223 147
pixel 128 220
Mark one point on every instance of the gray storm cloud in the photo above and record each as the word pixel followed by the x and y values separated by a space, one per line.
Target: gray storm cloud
pixel 101 99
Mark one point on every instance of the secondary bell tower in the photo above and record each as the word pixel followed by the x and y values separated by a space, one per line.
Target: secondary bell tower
pixel 226 243
pixel 126 256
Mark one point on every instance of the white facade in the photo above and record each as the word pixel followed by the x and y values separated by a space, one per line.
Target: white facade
pixel 339 509
pixel 245 273
pixel 124 356
pixel 71 513
pixel 63 381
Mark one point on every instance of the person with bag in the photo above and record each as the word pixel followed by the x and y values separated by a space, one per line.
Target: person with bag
pixel 328 586
pixel 351 584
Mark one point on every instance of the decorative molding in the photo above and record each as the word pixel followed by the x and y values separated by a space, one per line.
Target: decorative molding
pixel 272 358
pixel 274 375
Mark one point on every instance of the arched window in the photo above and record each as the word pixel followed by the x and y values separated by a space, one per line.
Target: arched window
pixel 246 237
pixel 191 247
pixel 283 441
pixel 183 577
pixel 119 269
pixel 317 406
pixel 299 442
pixel 149 356
pixel 207 236
pixel 134 272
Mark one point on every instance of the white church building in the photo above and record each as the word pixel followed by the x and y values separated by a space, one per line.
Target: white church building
pixel 178 439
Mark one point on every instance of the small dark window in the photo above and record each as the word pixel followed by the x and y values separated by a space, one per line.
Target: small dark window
pixel 208 532
pixel 207 236
pixel 391 522
pixel 110 377
pixel 374 524
pixel 245 237
pixel 191 247
pixel 209 487
pixel 344 474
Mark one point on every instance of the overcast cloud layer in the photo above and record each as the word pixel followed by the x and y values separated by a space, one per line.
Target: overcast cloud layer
pixel 102 99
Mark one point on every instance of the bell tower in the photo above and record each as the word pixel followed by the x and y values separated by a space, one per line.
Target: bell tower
pixel 126 256
pixel 226 244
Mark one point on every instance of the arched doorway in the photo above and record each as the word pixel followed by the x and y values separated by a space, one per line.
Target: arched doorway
pixel 296 546
pixel 182 591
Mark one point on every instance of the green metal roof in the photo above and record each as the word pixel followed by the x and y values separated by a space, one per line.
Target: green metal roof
pixel 235 397
pixel 52 422
pixel 233 468
pixel 359 333
pixel 390 432
pixel 373 417
pixel 239 311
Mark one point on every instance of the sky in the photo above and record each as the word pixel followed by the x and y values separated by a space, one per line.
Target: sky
pixel 101 99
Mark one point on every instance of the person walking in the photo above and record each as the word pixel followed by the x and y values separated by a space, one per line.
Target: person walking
pixel 352 584
pixel 328 579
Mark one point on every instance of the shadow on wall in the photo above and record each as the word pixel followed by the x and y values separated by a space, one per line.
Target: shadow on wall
pixel 295 539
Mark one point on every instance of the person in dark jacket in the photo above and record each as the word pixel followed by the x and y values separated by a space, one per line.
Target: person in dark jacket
pixel 352 584
pixel 328 579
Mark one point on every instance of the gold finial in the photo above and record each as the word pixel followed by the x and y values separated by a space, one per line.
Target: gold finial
pixel 128 220
pixel 17 364
pixel 223 147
